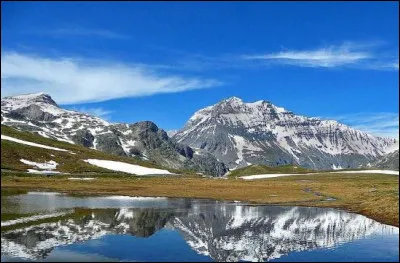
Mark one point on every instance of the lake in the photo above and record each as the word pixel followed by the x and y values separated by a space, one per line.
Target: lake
pixel 49 226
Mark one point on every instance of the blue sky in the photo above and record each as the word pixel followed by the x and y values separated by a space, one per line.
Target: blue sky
pixel 162 61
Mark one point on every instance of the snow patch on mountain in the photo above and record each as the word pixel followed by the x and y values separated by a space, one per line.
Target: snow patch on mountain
pixel 34 171
pixel 369 172
pixel 126 167
pixel 8 138
pixel 81 178
pixel 50 165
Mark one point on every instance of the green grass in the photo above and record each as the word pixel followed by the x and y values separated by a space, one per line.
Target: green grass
pixel 12 152
pixel 12 216
pixel 9 192
pixel 282 169
pixel 264 169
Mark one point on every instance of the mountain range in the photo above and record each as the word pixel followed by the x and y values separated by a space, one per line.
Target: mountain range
pixel 228 135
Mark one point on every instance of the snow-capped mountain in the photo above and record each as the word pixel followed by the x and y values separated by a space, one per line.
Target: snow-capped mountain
pixel 224 232
pixel 240 134
pixel 40 113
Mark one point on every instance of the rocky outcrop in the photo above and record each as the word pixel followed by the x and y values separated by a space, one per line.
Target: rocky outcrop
pixel 84 138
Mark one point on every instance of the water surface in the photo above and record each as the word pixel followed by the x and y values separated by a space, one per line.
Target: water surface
pixel 120 228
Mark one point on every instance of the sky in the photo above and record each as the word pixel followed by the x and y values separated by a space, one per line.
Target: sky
pixel 163 61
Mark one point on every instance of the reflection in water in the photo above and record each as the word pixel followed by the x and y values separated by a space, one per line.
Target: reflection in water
pixel 221 231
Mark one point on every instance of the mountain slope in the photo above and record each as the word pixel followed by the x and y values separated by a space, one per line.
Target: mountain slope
pixel 24 151
pixel 39 113
pixel 389 161
pixel 241 134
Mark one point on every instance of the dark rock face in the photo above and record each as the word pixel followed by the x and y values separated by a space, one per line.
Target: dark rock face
pixel 31 112
pixel 84 138
pixel 110 143
pixel 389 161
pixel 39 113
pixel 184 150
pixel 206 163
pixel 155 142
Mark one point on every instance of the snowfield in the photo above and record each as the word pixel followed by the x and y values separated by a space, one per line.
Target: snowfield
pixel 370 172
pixel 82 179
pixel 8 138
pixel 265 176
pixel 51 165
pixel 126 167
pixel 46 167
pixel 33 171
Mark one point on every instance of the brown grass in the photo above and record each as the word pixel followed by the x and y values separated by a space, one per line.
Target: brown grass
pixel 375 196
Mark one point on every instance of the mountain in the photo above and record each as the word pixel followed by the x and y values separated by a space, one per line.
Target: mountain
pixel 240 134
pixel 39 113
pixel 389 161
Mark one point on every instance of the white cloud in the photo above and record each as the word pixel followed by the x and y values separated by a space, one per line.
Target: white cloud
pixel 71 81
pixel 386 65
pixel 347 54
pixel 79 31
pixel 384 124
pixel 99 112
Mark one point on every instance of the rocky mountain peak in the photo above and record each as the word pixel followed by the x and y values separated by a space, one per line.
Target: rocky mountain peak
pixel 31 98
pixel 232 99
pixel 240 133
pixel 147 125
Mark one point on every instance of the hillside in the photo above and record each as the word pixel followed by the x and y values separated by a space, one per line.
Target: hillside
pixel 143 140
pixel 264 169
pixel 70 158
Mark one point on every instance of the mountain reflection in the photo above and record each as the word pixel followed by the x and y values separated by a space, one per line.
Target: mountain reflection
pixel 222 231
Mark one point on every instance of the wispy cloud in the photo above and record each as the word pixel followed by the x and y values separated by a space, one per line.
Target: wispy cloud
pixel 80 31
pixel 347 54
pixel 99 112
pixel 72 80
pixel 384 124
pixel 384 65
